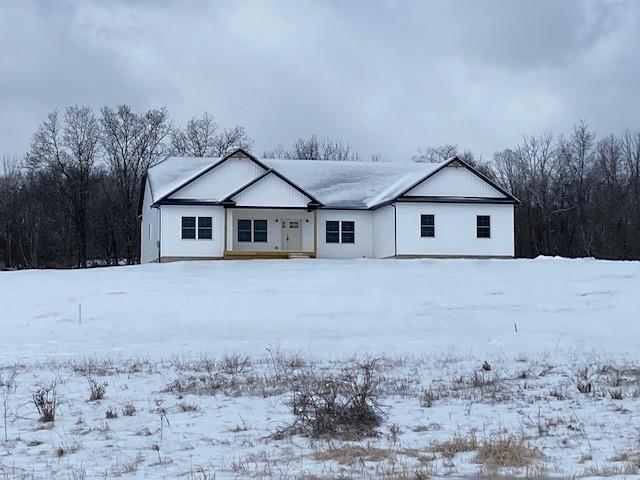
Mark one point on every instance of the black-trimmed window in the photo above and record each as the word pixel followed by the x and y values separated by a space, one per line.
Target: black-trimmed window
pixel 188 228
pixel 244 230
pixel 204 228
pixel 260 231
pixel 483 226
pixel 332 231
pixel 427 225
pixel 348 234
pixel 340 231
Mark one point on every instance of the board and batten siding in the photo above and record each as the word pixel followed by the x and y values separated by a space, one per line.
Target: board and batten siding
pixel 454 182
pixel 149 229
pixel 384 232
pixel 271 191
pixel 363 224
pixel 172 245
pixel 455 230
pixel 220 181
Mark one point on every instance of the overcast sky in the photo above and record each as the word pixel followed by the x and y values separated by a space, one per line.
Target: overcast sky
pixel 386 76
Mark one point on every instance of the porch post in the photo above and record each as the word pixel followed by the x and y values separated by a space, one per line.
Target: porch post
pixel 225 231
pixel 315 233
pixel 228 229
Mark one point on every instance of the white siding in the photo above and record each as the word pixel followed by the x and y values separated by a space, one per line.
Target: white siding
pixel 271 191
pixel 455 182
pixel 383 232
pixel 274 228
pixel 149 229
pixel 172 244
pixel 222 180
pixel 455 229
pixel 363 246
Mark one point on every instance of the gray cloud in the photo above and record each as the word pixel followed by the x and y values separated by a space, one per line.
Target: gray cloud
pixel 386 76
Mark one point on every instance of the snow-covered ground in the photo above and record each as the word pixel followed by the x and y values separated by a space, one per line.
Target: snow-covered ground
pixel 324 306
pixel 545 326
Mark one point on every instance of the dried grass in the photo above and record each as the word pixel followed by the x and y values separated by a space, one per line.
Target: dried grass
pixel 506 451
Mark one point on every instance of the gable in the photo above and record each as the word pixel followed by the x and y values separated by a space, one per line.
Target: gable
pixel 223 179
pixel 270 191
pixel 455 181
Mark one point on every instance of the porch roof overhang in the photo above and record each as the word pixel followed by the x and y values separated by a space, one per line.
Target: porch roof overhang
pixel 309 207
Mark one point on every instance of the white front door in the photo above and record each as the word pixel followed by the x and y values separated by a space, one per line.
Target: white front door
pixel 291 235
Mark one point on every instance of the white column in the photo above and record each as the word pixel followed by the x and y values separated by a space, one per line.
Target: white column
pixel 230 228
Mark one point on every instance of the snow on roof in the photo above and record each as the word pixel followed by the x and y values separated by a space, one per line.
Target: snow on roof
pixel 333 183
pixel 173 172
pixel 352 184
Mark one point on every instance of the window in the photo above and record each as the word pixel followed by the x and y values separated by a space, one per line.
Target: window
pixel 483 226
pixel 188 228
pixel 348 232
pixel 340 232
pixel 244 230
pixel 332 231
pixel 427 226
pixel 204 228
pixel 259 230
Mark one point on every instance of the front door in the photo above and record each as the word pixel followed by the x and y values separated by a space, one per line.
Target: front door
pixel 291 235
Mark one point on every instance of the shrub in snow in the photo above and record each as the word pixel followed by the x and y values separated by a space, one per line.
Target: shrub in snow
pixel 129 410
pixel 45 398
pixel 429 395
pixel 188 407
pixel 615 394
pixel 97 389
pixel 342 405
pixel 232 364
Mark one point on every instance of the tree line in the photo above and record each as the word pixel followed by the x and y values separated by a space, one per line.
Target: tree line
pixel 72 200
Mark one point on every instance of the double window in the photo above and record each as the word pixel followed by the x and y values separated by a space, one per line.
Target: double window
pixel 202 226
pixel 252 230
pixel 427 226
pixel 483 226
pixel 340 232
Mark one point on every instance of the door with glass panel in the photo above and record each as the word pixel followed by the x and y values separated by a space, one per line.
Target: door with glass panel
pixel 291 235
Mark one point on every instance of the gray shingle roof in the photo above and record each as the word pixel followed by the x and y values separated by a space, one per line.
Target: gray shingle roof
pixel 335 184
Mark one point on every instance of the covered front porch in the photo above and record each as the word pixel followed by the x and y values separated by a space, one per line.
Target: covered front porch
pixel 270 232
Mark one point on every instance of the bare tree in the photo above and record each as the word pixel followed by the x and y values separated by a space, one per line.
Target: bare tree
pixel 69 151
pixel 133 142
pixel 577 156
pixel 436 154
pixel 8 387
pixel 197 139
pixel 11 182
pixel 201 137
pixel 313 149
pixel 230 139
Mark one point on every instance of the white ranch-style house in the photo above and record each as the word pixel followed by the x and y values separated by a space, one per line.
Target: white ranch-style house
pixel 240 206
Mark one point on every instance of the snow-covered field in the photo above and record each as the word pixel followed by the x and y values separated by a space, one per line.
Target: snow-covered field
pixel 561 338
